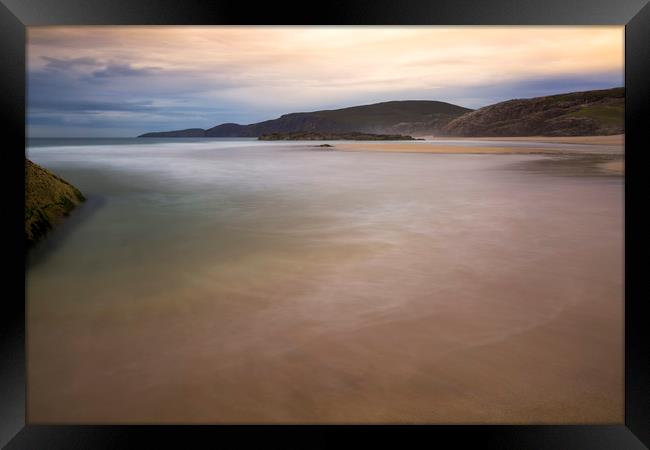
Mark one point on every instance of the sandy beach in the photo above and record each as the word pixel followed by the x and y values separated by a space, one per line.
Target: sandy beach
pixel 534 145
pixel 615 139
pixel 426 147
pixel 602 153
pixel 617 166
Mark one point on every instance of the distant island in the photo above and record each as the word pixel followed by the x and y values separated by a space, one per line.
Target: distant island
pixel 587 113
pixel 317 136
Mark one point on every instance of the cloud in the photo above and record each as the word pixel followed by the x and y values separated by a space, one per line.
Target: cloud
pixel 90 106
pixel 67 64
pixel 123 70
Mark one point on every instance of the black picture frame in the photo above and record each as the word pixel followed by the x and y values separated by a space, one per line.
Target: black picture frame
pixel 15 15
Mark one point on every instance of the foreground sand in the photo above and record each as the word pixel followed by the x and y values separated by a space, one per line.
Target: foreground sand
pixel 444 356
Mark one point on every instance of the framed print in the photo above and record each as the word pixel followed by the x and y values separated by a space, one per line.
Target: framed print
pixel 401 221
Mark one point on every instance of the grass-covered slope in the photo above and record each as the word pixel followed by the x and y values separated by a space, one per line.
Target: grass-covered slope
pixel 586 113
pixel 402 117
pixel 48 198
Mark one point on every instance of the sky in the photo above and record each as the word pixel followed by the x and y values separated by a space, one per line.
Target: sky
pixel 110 81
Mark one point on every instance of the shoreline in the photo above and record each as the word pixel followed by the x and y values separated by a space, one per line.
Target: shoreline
pixel 429 147
pixel 615 139
pixel 601 146
pixel 439 145
pixel 424 147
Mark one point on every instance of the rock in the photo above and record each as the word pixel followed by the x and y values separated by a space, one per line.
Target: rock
pixel 48 198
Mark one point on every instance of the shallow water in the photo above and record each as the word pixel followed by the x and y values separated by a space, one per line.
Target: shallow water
pixel 239 281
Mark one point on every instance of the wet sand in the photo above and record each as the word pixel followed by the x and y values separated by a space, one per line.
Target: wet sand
pixel 276 284
pixel 616 139
pixel 617 167
pixel 530 145
pixel 425 147
pixel 587 153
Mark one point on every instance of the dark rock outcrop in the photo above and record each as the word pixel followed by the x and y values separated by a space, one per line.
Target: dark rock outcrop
pixel 48 198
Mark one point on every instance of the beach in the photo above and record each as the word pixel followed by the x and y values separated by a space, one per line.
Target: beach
pixel 615 139
pixel 235 281
pixel 440 147
pixel 503 145
pixel 604 153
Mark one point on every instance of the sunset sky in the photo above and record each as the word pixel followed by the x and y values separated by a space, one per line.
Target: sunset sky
pixel 124 81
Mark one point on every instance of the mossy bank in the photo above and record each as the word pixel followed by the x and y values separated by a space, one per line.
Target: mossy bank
pixel 48 198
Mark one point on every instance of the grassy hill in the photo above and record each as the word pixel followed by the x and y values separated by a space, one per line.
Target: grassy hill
pixel 587 113
pixel 396 117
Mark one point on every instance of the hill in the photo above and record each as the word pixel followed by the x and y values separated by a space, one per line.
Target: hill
pixel 587 113
pixel 396 117
pixel 48 198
